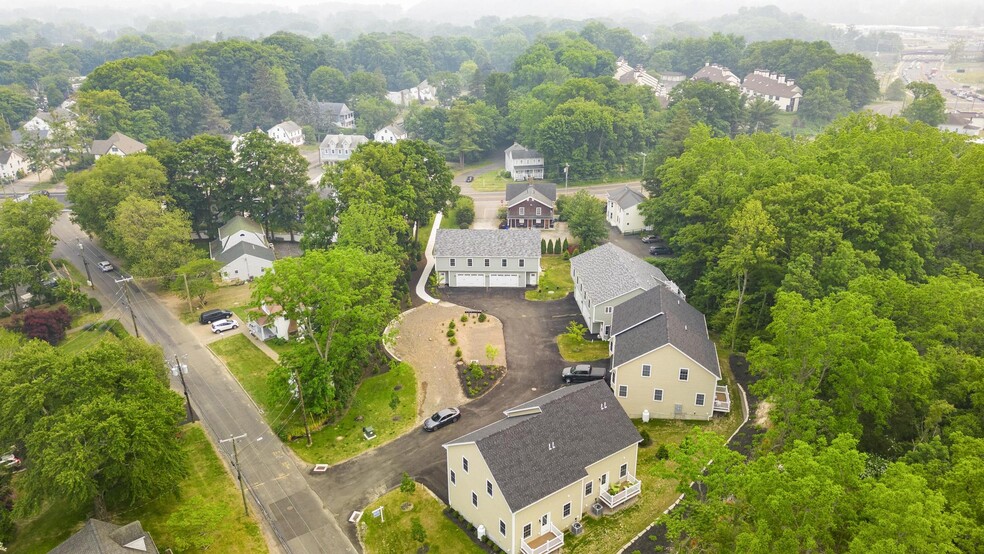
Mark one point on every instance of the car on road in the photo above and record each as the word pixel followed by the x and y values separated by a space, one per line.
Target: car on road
pixel 660 250
pixel 470 178
pixel 105 266
pixel 583 373
pixel 224 325
pixel 650 238
pixel 209 316
pixel 447 416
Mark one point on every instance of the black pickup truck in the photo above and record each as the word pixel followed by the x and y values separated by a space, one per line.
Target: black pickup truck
pixel 582 373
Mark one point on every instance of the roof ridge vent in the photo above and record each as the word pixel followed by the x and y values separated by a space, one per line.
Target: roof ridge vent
pixel 551 445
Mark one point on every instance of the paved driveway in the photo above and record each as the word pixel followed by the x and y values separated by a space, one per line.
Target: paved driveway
pixel 534 369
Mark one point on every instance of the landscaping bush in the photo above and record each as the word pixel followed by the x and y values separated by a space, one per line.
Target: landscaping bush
pixel 550 247
pixel 451 325
pixel 94 305
pixel 453 341
pixel 566 246
pixel 567 255
pixel 457 353
pixel 662 453
pixel 481 318
pixel 543 246
pixel 407 484
pixel 394 402
pixel 464 318
pixel 450 332
pixel 464 216
pixel 47 325
pixel 417 531
pixel 646 439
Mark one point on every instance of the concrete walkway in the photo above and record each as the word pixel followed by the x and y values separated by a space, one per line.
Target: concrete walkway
pixel 429 256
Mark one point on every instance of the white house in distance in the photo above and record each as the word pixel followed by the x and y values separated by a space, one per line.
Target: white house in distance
pixel 42 121
pixel 664 364
pixel 287 132
pixel 391 133
pixel 963 123
pixel 628 75
pixel 116 145
pixel 423 93
pixel 622 211
pixel 487 257
pixel 523 163
pixel 338 148
pixel 717 74
pixel 525 479
pixel 11 162
pixel 607 276
pixel 242 249
pixel 338 113
pixel 773 87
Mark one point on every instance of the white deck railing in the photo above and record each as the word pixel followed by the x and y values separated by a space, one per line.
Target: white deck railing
pixel 552 544
pixel 613 500
pixel 725 404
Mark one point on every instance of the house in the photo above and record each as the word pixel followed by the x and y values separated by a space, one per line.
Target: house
pixel 287 132
pixel 531 205
pixel 117 145
pixel 628 75
pixel 670 79
pixel 12 164
pixel 338 148
pixel 269 323
pixel 717 74
pixel 623 212
pixel 391 133
pixel 663 361
pixel 242 249
pixel 963 123
pixel 422 93
pixel 487 257
pixel 523 163
pixel 607 276
pixel 42 121
pixel 775 88
pixel 337 113
pixel 100 537
pixel 523 480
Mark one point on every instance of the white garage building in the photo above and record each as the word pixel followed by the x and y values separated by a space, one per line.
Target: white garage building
pixel 487 257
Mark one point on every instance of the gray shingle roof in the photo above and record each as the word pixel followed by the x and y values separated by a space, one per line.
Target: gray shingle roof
pixel 608 271
pixel 237 224
pixel 771 87
pixel 516 449
pixel 716 74
pixel 243 248
pixel 659 317
pixel 5 156
pixel 520 152
pixel 350 142
pixel 288 126
pixel 501 243
pixel 122 142
pixel 100 537
pixel 545 193
pixel 626 198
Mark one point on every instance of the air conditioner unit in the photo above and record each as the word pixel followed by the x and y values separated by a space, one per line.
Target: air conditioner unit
pixel 597 509
pixel 577 528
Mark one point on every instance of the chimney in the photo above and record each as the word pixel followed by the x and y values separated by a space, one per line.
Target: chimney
pixel 707 64
pixel 782 77
pixel 790 82
pixel 773 76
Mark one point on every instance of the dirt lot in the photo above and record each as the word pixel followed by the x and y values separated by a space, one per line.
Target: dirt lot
pixel 422 343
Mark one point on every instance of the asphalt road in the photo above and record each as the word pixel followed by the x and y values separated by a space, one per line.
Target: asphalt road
pixel 295 513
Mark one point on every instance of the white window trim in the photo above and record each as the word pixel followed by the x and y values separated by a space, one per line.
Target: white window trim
pixel 474 499
pixel 702 398
pixel 623 471
pixel 464 464
pixel 522 210
pixel 684 376
pixel 454 480
pixel 623 391
pixel 603 480
pixel 527 530
pixel 661 395
pixel 588 488
pixel 609 309
pixel 646 367
pixel 502 528
pixel 488 487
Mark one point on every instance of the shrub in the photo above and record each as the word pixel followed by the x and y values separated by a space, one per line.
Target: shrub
pixel 464 318
pixel 662 453
pixel 457 353
pixel 567 255
pixel 407 484
pixel 481 318
pixel 417 531
pixel 464 216
pixel 452 341
pixel 646 439
pixel 566 246
pixel 49 326
pixel 394 402
pixel 543 246
pixel 451 325
pixel 450 333
pixel 94 305
pixel 550 247
pixel 477 372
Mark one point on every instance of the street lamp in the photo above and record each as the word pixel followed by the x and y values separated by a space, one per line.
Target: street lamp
pixel 643 154
pixel 567 167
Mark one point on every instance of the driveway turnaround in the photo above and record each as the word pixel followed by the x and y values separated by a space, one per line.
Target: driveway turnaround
pixel 534 366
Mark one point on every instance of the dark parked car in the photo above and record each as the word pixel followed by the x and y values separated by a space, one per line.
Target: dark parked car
pixel 212 316
pixel 660 250
pixel 469 179
pixel 447 416
pixel 503 225
pixel 582 373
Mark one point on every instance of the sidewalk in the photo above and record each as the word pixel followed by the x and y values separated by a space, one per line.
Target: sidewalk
pixel 429 256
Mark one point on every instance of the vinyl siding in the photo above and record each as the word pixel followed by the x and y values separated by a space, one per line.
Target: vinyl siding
pixel 490 510
pixel 666 362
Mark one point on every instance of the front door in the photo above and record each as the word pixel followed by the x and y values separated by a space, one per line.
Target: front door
pixel 545 523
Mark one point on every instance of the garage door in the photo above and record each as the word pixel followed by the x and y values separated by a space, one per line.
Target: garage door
pixel 510 280
pixel 470 280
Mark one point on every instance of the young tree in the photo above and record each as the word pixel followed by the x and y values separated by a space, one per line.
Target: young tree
pixel 196 278
pixel 155 241
pixel 585 217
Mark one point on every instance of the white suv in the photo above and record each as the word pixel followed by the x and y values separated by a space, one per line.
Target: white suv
pixel 105 266
pixel 224 325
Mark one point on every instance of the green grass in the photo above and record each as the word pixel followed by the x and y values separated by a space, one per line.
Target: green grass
pixel 234 532
pixel 582 350
pixel 343 439
pixel 786 122
pixel 448 222
pixel 80 340
pixel 424 233
pixel 393 534
pixel 227 297
pixel 555 281
pixel 490 182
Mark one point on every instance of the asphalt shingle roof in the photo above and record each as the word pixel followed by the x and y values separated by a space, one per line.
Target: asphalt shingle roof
pixel 124 143
pixel 519 152
pixel 288 126
pixel 243 248
pixel 100 537
pixel 544 193
pixel 658 317
pixel 716 74
pixel 238 224
pixel 607 272
pixel 770 87
pixel 626 198
pixel 501 243
pixel 584 423
pixel 350 142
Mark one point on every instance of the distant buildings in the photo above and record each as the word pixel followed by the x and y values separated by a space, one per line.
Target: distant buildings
pixel 116 145
pixel 422 93
pixel 287 132
pixel 628 75
pixel 12 163
pixel 715 73
pixel 338 148
pixel 391 133
pixel 42 121
pixel 963 123
pixel 774 87
pixel 523 163
pixel 336 113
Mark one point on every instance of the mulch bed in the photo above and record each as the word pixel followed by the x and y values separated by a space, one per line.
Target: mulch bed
pixel 477 386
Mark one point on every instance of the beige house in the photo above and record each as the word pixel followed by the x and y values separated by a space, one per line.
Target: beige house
pixel 622 211
pixel 523 480
pixel 774 87
pixel 717 74
pixel 663 361
pixel 116 145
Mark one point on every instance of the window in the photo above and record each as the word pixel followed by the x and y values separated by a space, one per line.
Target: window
pixel 609 309
pixel 623 471
pixel 567 510
pixel 527 530
pixel 684 374
pixel 453 482
pixel 539 211
pixel 452 262
pixel 488 487
pixel 474 499
pixel 469 262
pixel 464 464
pixel 623 391
pixel 502 528
pixel 503 262
pixel 700 399
pixel 486 262
pixel 647 370
pixel 522 210
pixel 604 479
pixel 545 519
pixel 658 395
pixel 588 487
pixel 522 263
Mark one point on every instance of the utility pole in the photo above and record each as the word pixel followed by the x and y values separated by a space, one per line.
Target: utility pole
pixel 85 263
pixel 239 473
pixel 187 292
pixel 129 302
pixel 182 369
pixel 567 167
pixel 644 160
pixel 300 395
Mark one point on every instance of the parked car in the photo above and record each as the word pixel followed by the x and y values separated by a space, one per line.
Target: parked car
pixel 469 179
pixel 582 373
pixel 209 316
pixel 50 282
pixel 660 250
pixel 503 225
pixel 224 325
pixel 447 416
pixel 650 238
pixel 105 266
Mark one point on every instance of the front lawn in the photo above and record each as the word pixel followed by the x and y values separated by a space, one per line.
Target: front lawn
pixel 555 281
pixel 392 532
pixel 492 181
pixel 228 529
pixel 83 338
pixel 581 350
pixel 251 367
